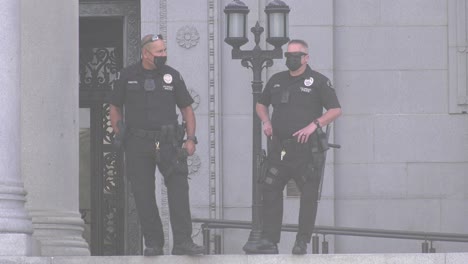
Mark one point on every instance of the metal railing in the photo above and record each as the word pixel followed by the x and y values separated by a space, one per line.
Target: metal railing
pixel 426 247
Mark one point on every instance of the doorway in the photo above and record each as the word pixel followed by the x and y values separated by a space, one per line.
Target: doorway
pixel 101 173
pixel 106 205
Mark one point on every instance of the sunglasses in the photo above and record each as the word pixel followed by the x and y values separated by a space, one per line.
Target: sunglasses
pixel 294 54
pixel 152 39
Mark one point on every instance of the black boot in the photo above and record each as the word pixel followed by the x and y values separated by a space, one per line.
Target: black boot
pixel 188 248
pixel 264 246
pixel 300 247
pixel 153 251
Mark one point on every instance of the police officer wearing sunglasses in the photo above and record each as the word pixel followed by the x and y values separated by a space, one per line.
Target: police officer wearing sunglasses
pixel 298 97
pixel 146 94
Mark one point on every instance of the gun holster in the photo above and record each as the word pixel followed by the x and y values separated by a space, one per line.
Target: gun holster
pixel 263 167
pixel 175 135
pixel 322 140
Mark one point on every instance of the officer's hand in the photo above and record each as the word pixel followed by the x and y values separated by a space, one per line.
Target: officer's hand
pixel 304 134
pixel 267 129
pixel 189 145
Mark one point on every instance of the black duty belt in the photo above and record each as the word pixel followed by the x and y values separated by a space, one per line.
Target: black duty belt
pixel 148 134
pixel 291 144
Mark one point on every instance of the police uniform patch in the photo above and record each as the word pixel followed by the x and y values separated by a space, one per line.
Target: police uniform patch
pixel 306 90
pixel 309 82
pixel 167 78
pixel 168 87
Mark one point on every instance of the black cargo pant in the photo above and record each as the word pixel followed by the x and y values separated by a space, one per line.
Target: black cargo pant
pixel 140 166
pixel 297 164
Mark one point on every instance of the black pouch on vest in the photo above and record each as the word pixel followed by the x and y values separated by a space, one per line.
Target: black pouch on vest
pixel 285 96
pixel 149 85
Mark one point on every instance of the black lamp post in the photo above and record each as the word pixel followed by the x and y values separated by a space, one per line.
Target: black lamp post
pixel 256 59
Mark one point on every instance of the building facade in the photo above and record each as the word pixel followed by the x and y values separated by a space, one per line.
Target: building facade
pixel 399 69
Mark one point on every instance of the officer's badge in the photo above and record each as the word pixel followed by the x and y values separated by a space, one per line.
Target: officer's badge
pixel 309 82
pixel 167 78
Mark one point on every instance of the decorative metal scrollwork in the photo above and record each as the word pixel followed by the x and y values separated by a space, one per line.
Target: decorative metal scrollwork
pixel 107 127
pixel 98 68
pixel 110 173
pixel 112 187
pixel 110 220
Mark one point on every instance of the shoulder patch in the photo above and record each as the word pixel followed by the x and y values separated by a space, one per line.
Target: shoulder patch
pixel 167 78
pixel 309 82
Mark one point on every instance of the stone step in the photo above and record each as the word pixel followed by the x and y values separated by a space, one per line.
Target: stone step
pixel 436 258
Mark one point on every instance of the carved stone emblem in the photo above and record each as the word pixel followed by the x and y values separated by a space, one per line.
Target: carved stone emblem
pixel 188 37
pixel 194 163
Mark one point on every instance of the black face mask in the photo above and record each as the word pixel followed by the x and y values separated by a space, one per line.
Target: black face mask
pixel 293 62
pixel 160 61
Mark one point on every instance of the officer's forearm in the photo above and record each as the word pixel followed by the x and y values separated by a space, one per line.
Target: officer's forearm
pixel 329 116
pixel 189 117
pixel 262 112
pixel 115 117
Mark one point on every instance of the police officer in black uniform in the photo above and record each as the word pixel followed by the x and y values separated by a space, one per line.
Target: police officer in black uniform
pixel 298 97
pixel 147 94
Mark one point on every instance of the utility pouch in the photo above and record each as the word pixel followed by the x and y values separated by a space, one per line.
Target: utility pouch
pixel 149 85
pixel 180 133
pixel 179 162
pixel 322 139
pixel 285 96
pixel 263 167
pixel 165 136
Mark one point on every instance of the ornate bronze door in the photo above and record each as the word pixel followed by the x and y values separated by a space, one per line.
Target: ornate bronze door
pixel 105 202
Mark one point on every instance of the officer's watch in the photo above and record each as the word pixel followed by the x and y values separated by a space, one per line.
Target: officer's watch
pixel 316 122
pixel 193 138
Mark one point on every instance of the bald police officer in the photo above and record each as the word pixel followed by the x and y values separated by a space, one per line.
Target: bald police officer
pixel 298 97
pixel 149 92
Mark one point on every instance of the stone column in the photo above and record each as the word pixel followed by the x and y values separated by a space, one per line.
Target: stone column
pixel 50 127
pixel 15 224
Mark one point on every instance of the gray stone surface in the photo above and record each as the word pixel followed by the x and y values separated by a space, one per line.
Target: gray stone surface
pixel 15 244
pixel 15 223
pixel 401 12
pixel 403 160
pixel 421 138
pixel 50 127
pixel 452 258
pixel 402 164
pixel 413 12
pixel 372 48
pixel 400 92
pixel 356 146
